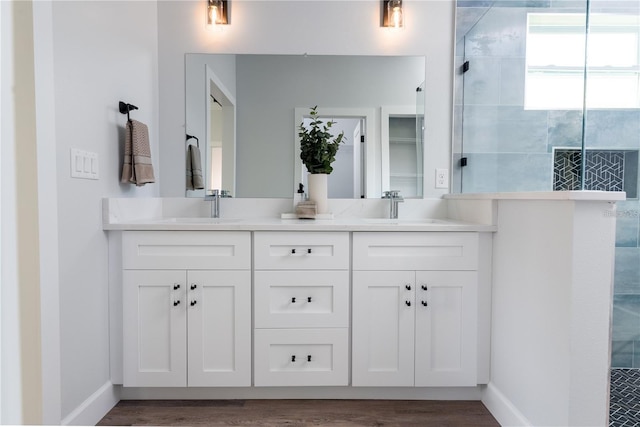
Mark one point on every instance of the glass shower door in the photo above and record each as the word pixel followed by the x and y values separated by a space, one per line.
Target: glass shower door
pixel 519 94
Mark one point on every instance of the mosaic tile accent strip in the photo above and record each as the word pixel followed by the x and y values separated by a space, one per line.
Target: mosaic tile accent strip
pixel 566 170
pixel 624 406
pixel 604 170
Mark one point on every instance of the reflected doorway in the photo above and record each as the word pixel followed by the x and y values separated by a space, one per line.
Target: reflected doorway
pixel 347 179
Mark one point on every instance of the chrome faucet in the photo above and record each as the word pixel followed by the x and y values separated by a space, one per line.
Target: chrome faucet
pixel 214 197
pixel 394 198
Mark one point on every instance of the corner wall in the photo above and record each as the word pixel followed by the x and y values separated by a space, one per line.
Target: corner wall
pixel 103 52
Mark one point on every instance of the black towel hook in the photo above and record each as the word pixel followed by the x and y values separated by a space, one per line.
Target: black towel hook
pixel 194 137
pixel 125 108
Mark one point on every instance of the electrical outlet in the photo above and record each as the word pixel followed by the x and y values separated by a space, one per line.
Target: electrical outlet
pixel 442 178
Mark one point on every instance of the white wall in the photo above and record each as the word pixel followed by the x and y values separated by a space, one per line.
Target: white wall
pixel 552 292
pixel 104 52
pixel 48 218
pixel 296 27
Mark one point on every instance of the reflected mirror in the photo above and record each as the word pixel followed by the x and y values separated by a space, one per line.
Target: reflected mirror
pixel 247 109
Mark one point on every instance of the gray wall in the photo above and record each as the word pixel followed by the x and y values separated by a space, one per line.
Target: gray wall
pixel 271 87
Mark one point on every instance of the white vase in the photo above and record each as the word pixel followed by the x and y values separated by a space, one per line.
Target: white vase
pixel 318 191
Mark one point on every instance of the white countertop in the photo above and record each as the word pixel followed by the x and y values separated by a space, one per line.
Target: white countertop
pixel 277 224
pixel 583 195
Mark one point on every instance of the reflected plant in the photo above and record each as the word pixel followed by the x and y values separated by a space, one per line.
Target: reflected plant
pixel 318 147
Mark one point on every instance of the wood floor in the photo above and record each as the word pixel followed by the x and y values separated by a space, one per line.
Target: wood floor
pixel 299 413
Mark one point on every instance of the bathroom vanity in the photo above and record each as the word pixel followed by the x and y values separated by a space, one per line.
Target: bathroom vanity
pixel 352 303
pixel 363 307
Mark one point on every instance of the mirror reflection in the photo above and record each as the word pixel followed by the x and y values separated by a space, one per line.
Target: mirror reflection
pixel 251 148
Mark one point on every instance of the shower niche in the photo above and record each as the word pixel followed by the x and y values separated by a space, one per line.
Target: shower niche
pixel 605 170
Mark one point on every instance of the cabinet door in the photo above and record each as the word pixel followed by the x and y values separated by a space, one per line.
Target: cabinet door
pixel 154 332
pixel 383 328
pixel 219 306
pixel 446 328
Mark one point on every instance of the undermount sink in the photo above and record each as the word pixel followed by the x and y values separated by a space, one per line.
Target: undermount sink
pixel 201 220
pixel 402 221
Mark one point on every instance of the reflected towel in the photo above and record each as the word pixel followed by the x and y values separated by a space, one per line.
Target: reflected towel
pixel 194 169
pixel 137 167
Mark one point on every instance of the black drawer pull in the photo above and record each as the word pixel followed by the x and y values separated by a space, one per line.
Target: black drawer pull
pixel 309 250
pixel 407 287
pixel 424 303
pixel 424 287
pixel 309 358
pixel 193 303
pixel 176 286
pixel 293 358
pixel 309 299
pixel 193 286
pixel 175 303
pixel 293 300
pixel 293 251
pixel 408 303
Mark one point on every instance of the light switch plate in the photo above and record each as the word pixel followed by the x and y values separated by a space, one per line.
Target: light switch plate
pixel 84 164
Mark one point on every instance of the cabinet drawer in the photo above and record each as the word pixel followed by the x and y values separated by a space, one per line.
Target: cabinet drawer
pixel 415 251
pixel 306 299
pixel 301 251
pixel 211 250
pixel 301 357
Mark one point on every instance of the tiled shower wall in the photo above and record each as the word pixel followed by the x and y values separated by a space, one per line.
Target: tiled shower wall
pixel 511 149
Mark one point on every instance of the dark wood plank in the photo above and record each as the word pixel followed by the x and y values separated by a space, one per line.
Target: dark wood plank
pixel 300 413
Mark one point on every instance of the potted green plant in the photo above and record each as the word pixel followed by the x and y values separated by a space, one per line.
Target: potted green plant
pixel 318 148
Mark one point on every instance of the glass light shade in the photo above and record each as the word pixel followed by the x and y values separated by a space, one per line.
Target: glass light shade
pixel 394 16
pixel 215 13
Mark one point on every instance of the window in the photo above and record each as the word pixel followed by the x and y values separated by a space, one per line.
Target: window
pixel 555 61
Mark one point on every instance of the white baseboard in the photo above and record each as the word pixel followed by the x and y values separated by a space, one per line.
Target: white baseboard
pixel 95 407
pixel 502 409
pixel 346 392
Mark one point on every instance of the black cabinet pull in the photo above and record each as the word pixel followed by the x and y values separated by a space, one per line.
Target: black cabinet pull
pixel 309 358
pixel 193 286
pixel 293 251
pixel 407 287
pixel 408 303
pixel 193 303
pixel 309 299
pixel 176 286
pixel 309 250
pixel 293 358
pixel 293 300
pixel 175 303
pixel 424 287
pixel 424 303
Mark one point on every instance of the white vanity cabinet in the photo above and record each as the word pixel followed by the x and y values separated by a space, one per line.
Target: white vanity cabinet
pixel 301 308
pixel 415 309
pixel 186 308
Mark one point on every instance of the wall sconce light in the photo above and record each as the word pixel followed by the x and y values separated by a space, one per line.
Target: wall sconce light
pixel 392 13
pixel 217 13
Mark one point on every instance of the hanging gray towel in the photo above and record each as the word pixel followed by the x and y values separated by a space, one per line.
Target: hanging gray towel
pixel 194 169
pixel 137 167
